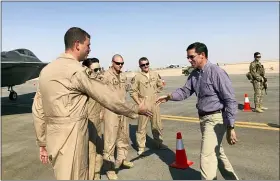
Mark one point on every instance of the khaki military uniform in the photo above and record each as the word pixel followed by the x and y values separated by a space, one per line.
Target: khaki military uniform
pixel 60 113
pixel 95 139
pixel 116 131
pixel 148 85
pixel 258 72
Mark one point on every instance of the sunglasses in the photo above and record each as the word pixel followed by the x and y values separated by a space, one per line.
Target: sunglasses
pixel 97 69
pixel 191 57
pixel 258 57
pixel 119 63
pixel 143 65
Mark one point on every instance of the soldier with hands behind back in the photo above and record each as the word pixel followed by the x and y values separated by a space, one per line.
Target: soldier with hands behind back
pixel 146 84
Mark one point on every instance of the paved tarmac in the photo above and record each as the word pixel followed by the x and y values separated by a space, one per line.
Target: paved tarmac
pixel 256 156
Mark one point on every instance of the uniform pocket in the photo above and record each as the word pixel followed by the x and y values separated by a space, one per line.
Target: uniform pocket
pixel 144 83
pixel 115 82
pixel 123 83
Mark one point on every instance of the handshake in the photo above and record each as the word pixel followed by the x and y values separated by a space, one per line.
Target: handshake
pixel 163 99
pixel 143 110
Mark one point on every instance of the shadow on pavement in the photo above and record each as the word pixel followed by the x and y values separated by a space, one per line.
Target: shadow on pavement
pixel 22 105
pixel 273 125
pixel 167 156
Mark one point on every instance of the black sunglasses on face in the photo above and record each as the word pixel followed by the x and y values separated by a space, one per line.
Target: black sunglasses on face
pixel 143 65
pixel 97 69
pixel 191 57
pixel 119 63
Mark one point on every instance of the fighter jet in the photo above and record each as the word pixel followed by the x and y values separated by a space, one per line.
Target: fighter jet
pixel 17 67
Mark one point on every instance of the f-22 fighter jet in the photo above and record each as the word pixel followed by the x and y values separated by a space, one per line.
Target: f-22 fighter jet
pixel 17 67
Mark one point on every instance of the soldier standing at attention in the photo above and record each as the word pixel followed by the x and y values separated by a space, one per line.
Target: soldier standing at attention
pixel 94 126
pixel 257 72
pixel 60 108
pixel 116 133
pixel 217 108
pixel 147 84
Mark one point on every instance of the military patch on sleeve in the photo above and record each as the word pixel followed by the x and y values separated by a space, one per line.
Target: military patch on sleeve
pixel 100 77
pixel 133 80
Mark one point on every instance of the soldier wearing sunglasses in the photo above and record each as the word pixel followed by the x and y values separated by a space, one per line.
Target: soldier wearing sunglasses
pixel 92 63
pixel 94 127
pixel 259 81
pixel 116 134
pixel 147 84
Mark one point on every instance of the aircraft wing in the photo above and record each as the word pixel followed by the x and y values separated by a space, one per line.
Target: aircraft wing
pixel 16 73
pixel 19 66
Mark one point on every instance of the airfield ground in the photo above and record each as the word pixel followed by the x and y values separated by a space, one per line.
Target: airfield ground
pixel 256 155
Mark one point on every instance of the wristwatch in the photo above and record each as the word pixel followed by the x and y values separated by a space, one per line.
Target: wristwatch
pixel 230 127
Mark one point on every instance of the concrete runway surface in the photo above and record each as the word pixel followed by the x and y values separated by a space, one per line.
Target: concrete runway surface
pixel 256 155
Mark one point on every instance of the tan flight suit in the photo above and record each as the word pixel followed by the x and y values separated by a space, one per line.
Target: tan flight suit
pixel 60 113
pixel 95 139
pixel 144 86
pixel 116 131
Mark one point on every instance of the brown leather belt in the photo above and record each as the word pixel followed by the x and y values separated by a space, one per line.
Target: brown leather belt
pixel 201 114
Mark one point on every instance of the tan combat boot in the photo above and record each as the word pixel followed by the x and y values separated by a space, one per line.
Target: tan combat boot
pixel 112 175
pixel 263 108
pixel 123 163
pixel 258 108
pixel 97 176
pixel 127 164
pixel 140 151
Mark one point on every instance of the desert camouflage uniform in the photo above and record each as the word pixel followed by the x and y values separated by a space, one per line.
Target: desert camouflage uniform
pixel 258 74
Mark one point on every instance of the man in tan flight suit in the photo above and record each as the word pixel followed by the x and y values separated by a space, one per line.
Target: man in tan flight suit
pixel 147 84
pixel 116 131
pixel 60 108
pixel 94 126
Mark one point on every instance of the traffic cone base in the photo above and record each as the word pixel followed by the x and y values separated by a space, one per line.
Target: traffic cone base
pixel 175 165
pixel 181 160
pixel 247 107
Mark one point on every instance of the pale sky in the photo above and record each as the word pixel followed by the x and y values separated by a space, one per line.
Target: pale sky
pixel 160 31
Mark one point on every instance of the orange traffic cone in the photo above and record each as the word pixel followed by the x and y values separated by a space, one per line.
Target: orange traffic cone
pixel 181 161
pixel 247 107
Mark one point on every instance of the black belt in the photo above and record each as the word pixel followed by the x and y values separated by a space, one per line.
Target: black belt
pixel 201 114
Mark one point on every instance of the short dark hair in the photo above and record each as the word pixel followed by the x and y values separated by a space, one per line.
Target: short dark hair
pixel 74 34
pixel 199 48
pixel 87 62
pixel 143 59
pixel 116 55
pixel 256 53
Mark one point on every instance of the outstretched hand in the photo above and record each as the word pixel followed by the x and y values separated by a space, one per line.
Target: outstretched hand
pixel 161 99
pixel 143 109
